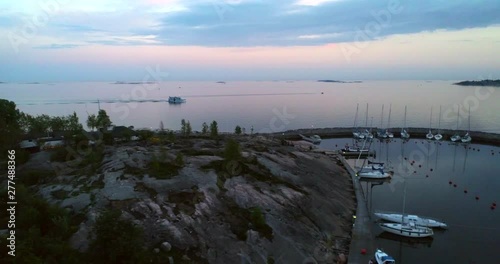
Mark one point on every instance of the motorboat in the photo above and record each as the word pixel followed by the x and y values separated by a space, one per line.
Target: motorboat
pixel 383 258
pixel 409 229
pixel 418 220
pixel 354 149
pixel 176 100
pixel 315 139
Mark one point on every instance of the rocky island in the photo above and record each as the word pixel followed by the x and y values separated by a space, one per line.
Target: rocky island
pixel 336 81
pixel 491 83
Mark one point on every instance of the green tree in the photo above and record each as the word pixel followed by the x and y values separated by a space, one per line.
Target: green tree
pixel 58 123
pixel 74 125
pixel 116 240
pixel 204 128
pixel 214 129
pixel 237 130
pixel 232 151
pixel 92 122
pixel 179 160
pixel 10 131
pixel 103 121
pixel 183 127
pixel 189 129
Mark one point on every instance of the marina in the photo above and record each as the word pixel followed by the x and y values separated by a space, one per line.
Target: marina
pixel 444 180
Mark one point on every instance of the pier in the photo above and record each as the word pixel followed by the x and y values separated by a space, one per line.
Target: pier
pixel 362 235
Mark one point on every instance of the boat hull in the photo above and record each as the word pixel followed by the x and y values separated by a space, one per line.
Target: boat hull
pixel 406 230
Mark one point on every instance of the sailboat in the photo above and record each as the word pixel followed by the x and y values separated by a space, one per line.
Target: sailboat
pixel 381 133
pixel 430 135
pixel 438 136
pixel 356 133
pixel 467 138
pixel 368 134
pixel 418 220
pixel 404 133
pixel 456 137
pixel 387 132
pixel 406 228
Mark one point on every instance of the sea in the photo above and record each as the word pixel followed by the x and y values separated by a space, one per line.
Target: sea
pixel 453 182
pixel 268 106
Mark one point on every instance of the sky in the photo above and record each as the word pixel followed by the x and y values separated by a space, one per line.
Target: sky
pixel 124 40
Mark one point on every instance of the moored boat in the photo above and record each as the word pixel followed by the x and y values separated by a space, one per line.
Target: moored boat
pixel 315 139
pixel 383 258
pixel 409 229
pixel 418 220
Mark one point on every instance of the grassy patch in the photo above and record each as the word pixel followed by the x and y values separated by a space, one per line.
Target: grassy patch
pixel 163 170
pixel 241 220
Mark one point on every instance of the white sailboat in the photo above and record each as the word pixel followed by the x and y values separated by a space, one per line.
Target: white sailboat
pixel 356 133
pixel 381 133
pixel 388 133
pixel 368 134
pixel 430 135
pixel 438 136
pixel 404 133
pixel 467 138
pixel 456 137
pixel 406 228
pixel 418 220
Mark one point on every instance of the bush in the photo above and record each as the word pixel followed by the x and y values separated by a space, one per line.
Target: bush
pixel 237 130
pixel 116 240
pixel 232 150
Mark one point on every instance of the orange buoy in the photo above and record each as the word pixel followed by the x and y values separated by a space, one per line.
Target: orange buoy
pixel 494 204
pixel 420 166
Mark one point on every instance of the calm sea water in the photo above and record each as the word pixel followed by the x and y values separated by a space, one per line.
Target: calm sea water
pixel 473 235
pixel 267 106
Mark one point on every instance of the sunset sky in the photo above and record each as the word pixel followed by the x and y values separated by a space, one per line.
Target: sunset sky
pixel 94 40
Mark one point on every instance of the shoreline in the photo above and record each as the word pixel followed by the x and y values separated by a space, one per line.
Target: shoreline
pixel 478 137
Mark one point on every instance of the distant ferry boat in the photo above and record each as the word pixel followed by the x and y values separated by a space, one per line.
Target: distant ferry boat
pixel 176 100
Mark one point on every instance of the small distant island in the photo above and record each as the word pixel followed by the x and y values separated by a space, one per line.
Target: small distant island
pixel 119 82
pixel 221 82
pixel 493 83
pixel 336 81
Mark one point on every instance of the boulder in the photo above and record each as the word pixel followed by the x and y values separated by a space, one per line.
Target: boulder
pixel 165 246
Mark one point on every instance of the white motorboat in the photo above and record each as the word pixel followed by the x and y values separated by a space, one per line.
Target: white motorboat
pixel 383 258
pixel 315 139
pixel 409 229
pixel 467 138
pixel 176 100
pixel 418 220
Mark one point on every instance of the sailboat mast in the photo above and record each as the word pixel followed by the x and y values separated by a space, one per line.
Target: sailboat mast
pixel 389 119
pixel 469 120
pixel 382 117
pixel 458 115
pixel 405 118
pixel 430 120
pixel 439 123
pixel 366 116
pixel 356 116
